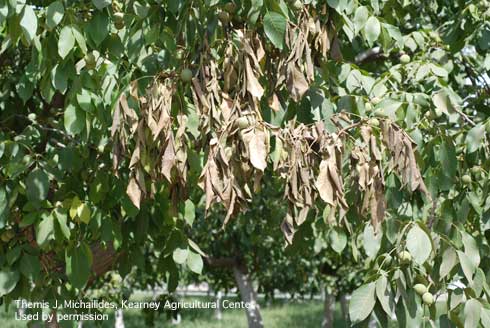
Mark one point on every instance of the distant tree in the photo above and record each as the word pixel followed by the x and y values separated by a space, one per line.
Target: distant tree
pixel 115 117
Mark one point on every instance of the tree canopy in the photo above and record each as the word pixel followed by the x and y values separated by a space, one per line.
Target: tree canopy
pixel 120 120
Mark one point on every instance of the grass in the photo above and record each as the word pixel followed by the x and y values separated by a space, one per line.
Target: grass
pixel 279 314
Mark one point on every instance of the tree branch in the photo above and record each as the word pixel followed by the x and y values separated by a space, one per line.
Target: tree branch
pixel 369 55
pixel 222 262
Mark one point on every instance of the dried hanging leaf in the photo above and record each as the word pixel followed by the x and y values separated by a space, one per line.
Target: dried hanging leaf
pixel 274 103
pixel 287 227
pixel 296 83
pixel 134 192
pixel 116 120
pixel 301 217
pixel 324 185
pixel 135 157
pixel 403 160
pixel 253 85
pixel 168 159
pixel 335 51
pixel 377 203
pixel 258 150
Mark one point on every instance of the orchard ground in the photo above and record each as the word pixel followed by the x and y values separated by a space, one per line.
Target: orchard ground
pixel 308 313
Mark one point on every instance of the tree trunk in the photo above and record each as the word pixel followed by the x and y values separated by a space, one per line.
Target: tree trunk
pixel 328 311
pixel 177 319
pixel 344 305
pixel 119 320
pixel 219 313
pixel 249 296
pixel 54 322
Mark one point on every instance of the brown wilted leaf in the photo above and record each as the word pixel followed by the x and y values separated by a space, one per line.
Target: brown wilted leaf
pixel 200 95
pixel 274 103
pixel 135 157
pixel 231 207
pixel 116 120
pixel 253 85
pixel 302 215
pixel 324 185
pixel 287 227
pixel 129 112
pixel 258 150
pixel 134 192
pixel 168 159
pixel 296 83
pixel 309 64
pixel 403 159
pixel 377 203
pixel 335 51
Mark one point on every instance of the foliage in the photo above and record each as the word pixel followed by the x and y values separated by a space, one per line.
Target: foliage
pixel 393 152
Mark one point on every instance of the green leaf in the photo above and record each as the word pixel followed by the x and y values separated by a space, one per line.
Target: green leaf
pixel 422 72
pixel 472 312
pixel 449 260
pixel 467 265
pixel 336 4
pixel 362 302
pixel 99 27
pixel 75 204
pixel 84 99
pixel 372 29
pixel 74 119
pixel 254 11
pixel 194 262
pixel 4 206
pixel 45 230
pixel 471 248
pixel 442 101
pixel 28 23
pixel 338 240
pixel 484 40
pixel 8 281
pixel 101 4
pixel 37 185
pixel 474 138
pixel 193 122
pixel 78 265
pixel 79 38
pixel 478 282
pixel 485 317
pixel 30 266
pixel 66 41
pixel 394 33
pixel 4 11
pixel 62 219
pixel 448 158
pixel 54 14
pixel 59 78
pixel 354 80
pixel 13 255
pixel 180 255
pixel 275 28
pixel 371 240
pixel 189 212
pixel 419 244
pixel 83 212
pixel 360 18
pixel 140 10
pixel 196 247
pixel 25 88
pixel 439 71
pixel 383 294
